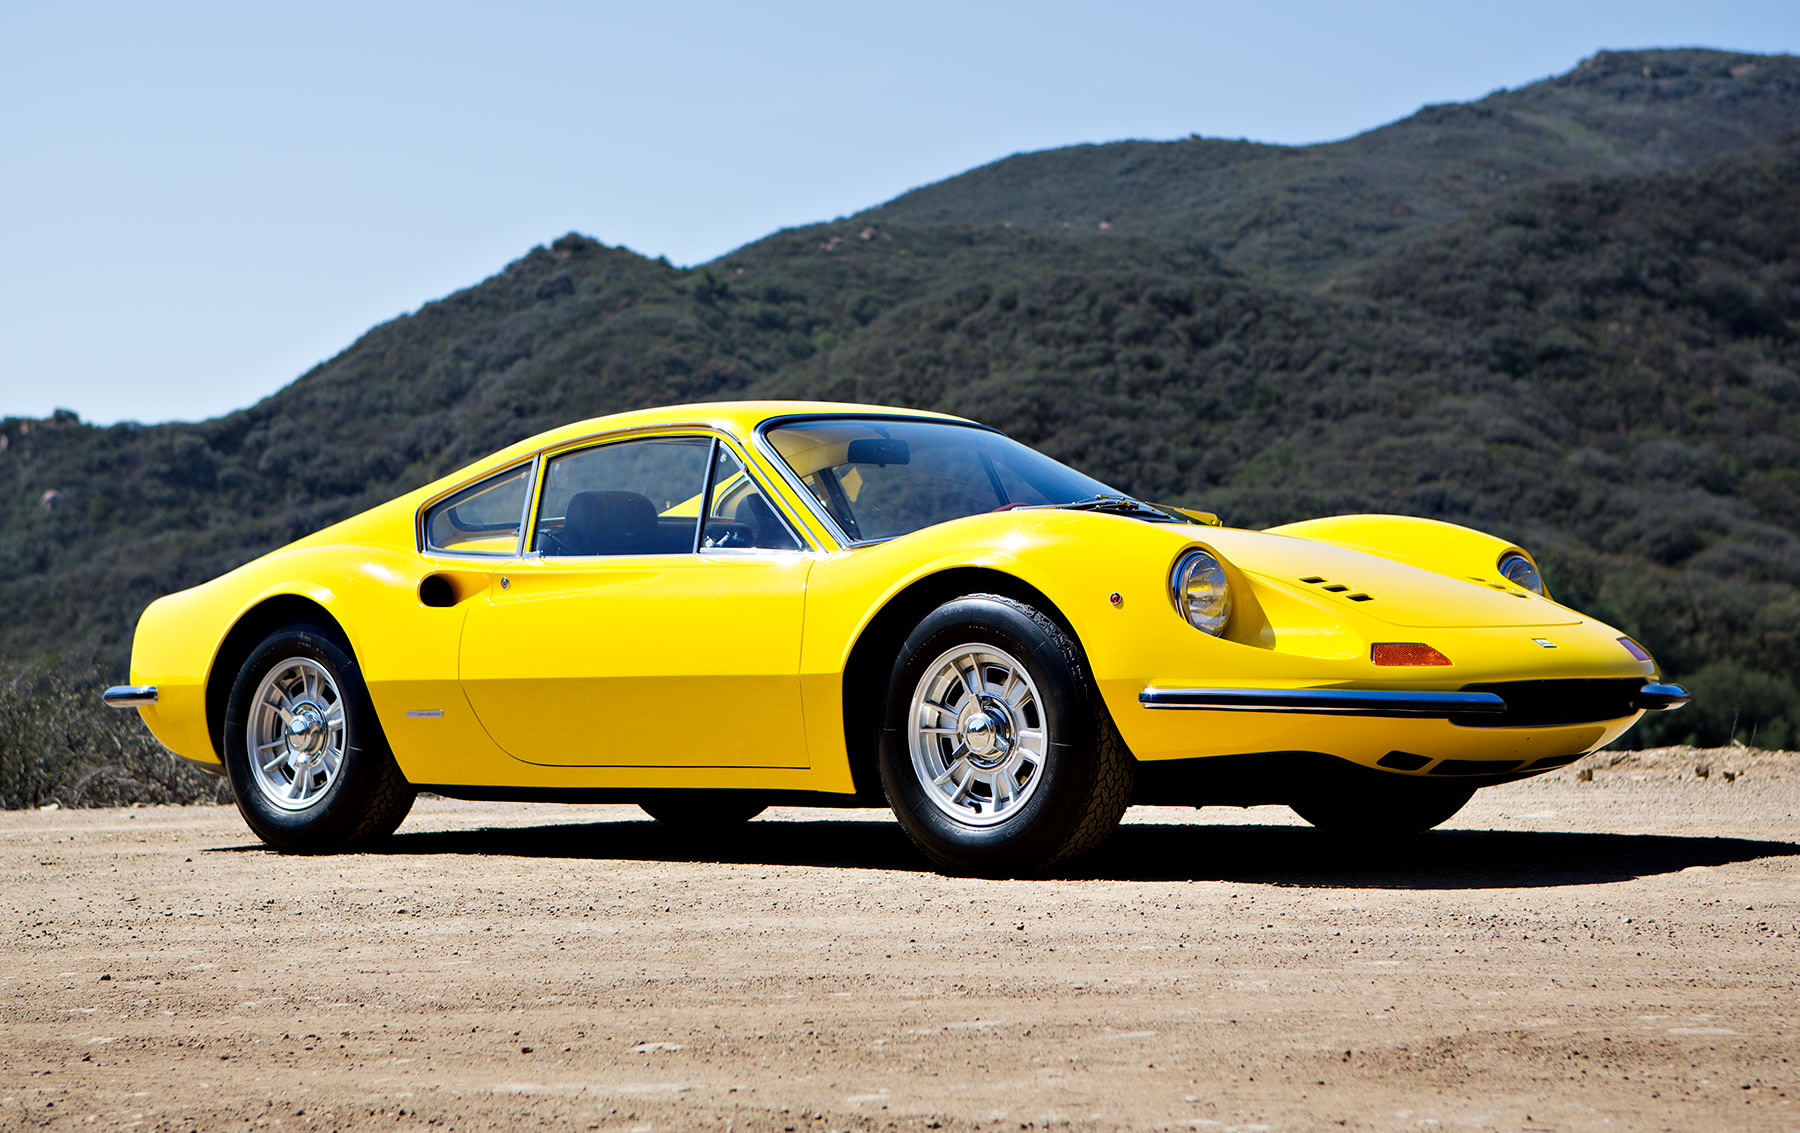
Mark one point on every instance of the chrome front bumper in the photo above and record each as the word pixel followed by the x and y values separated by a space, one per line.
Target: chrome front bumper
pixel 1368 702
pixel 1661 698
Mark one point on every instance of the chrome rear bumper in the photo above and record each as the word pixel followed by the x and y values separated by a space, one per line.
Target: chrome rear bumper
pixel 129 696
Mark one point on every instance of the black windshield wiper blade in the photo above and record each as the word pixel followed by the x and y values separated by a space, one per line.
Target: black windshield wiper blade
pixel 1121 505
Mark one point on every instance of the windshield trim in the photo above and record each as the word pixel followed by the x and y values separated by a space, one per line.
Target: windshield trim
pixel 810 501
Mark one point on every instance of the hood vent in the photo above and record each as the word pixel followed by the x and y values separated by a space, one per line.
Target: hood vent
pixel 1336 588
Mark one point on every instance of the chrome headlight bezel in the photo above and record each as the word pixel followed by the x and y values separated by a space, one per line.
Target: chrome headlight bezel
pixel 1202 591
pixel 1517 568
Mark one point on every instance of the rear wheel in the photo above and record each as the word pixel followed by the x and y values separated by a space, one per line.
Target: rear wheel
pixel 308 762
pixel 1399 808
pixel 997 753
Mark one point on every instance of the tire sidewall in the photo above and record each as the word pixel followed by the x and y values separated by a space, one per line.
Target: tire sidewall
pixel 1037 832
pixel 334 819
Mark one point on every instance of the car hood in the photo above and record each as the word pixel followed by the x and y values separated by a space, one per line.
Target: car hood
pixel 1380 588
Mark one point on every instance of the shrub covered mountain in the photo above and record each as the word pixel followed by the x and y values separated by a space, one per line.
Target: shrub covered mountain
pixel 1566 314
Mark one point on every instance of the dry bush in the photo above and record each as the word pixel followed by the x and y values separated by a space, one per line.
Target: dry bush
pixel 59 744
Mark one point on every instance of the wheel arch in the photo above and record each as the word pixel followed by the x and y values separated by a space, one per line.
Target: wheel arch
pixel 251 627
pixel 871 658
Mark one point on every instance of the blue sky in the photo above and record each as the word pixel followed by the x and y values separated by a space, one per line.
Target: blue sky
pixel 200 202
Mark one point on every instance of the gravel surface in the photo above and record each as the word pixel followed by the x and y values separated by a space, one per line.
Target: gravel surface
pixel 1616 945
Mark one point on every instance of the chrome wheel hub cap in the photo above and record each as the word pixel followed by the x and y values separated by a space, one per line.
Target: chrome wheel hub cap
pixel 306 732
pixel 977 735
pixel 296 734
pixel 986 729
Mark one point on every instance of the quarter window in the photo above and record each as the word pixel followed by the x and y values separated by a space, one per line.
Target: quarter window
pixel 482 519
pixel 629 498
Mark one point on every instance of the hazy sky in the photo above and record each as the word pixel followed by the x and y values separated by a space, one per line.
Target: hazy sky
pixel 200 202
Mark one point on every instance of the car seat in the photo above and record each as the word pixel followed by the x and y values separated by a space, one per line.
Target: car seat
pixel 609 523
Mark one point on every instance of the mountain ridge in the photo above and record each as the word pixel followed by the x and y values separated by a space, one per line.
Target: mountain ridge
pixel 1610 115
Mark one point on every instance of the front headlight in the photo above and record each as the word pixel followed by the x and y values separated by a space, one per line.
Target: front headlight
pixel 1201 592
pixel 1517 569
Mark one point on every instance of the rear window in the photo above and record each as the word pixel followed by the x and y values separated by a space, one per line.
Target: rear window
pixel 482 519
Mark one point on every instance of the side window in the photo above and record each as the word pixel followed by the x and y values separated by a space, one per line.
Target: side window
pixel 738 516
pixel 628 498
pixel 482 519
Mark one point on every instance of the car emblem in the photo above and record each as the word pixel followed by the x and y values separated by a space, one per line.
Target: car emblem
pixel 1545 642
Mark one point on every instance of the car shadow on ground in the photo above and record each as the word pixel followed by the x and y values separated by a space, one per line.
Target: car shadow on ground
pixel 1273 855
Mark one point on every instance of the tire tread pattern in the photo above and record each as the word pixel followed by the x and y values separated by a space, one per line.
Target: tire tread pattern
pixel 390 800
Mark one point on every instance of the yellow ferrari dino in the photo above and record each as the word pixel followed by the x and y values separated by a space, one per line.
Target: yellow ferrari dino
pixel 708 609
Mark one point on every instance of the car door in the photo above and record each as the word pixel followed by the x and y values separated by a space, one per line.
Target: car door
pixel 656 622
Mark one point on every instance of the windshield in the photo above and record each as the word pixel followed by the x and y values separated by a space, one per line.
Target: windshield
pixel 878 479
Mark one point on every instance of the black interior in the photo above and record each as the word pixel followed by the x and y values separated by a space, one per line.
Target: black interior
pixel 617 523
pixel 753 524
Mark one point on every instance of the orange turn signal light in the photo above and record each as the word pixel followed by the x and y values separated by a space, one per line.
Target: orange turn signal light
pixel 1407 653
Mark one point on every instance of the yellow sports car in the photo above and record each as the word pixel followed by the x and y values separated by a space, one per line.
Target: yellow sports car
pixel 708 609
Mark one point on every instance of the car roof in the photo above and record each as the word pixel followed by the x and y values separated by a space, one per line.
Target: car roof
pixel 737 417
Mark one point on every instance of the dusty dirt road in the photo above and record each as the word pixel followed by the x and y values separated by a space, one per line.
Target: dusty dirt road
pixel 1622 952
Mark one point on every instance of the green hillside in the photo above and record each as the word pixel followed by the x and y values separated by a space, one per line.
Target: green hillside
pixel 1565 313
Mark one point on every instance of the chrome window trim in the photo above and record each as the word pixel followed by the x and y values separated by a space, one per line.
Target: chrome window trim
pixel 711 434
pixel 424 545
pixel 536 460
pixel 706 491
pixel 810 501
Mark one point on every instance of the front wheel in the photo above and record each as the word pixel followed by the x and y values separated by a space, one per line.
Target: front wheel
pixel 308 762
pixel 997 753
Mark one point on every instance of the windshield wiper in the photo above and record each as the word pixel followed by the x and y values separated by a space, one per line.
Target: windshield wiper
pixel 1119 505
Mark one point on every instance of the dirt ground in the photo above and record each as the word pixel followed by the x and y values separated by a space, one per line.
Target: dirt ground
pixel 1619 950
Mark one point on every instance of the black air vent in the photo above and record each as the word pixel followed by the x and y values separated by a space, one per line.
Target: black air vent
pixel 435 590
pixel 1474 766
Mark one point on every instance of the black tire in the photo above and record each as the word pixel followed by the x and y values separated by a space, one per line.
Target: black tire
pixel 368 798
pixel 702 812
pixel 1383 811
pixel 1084 782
